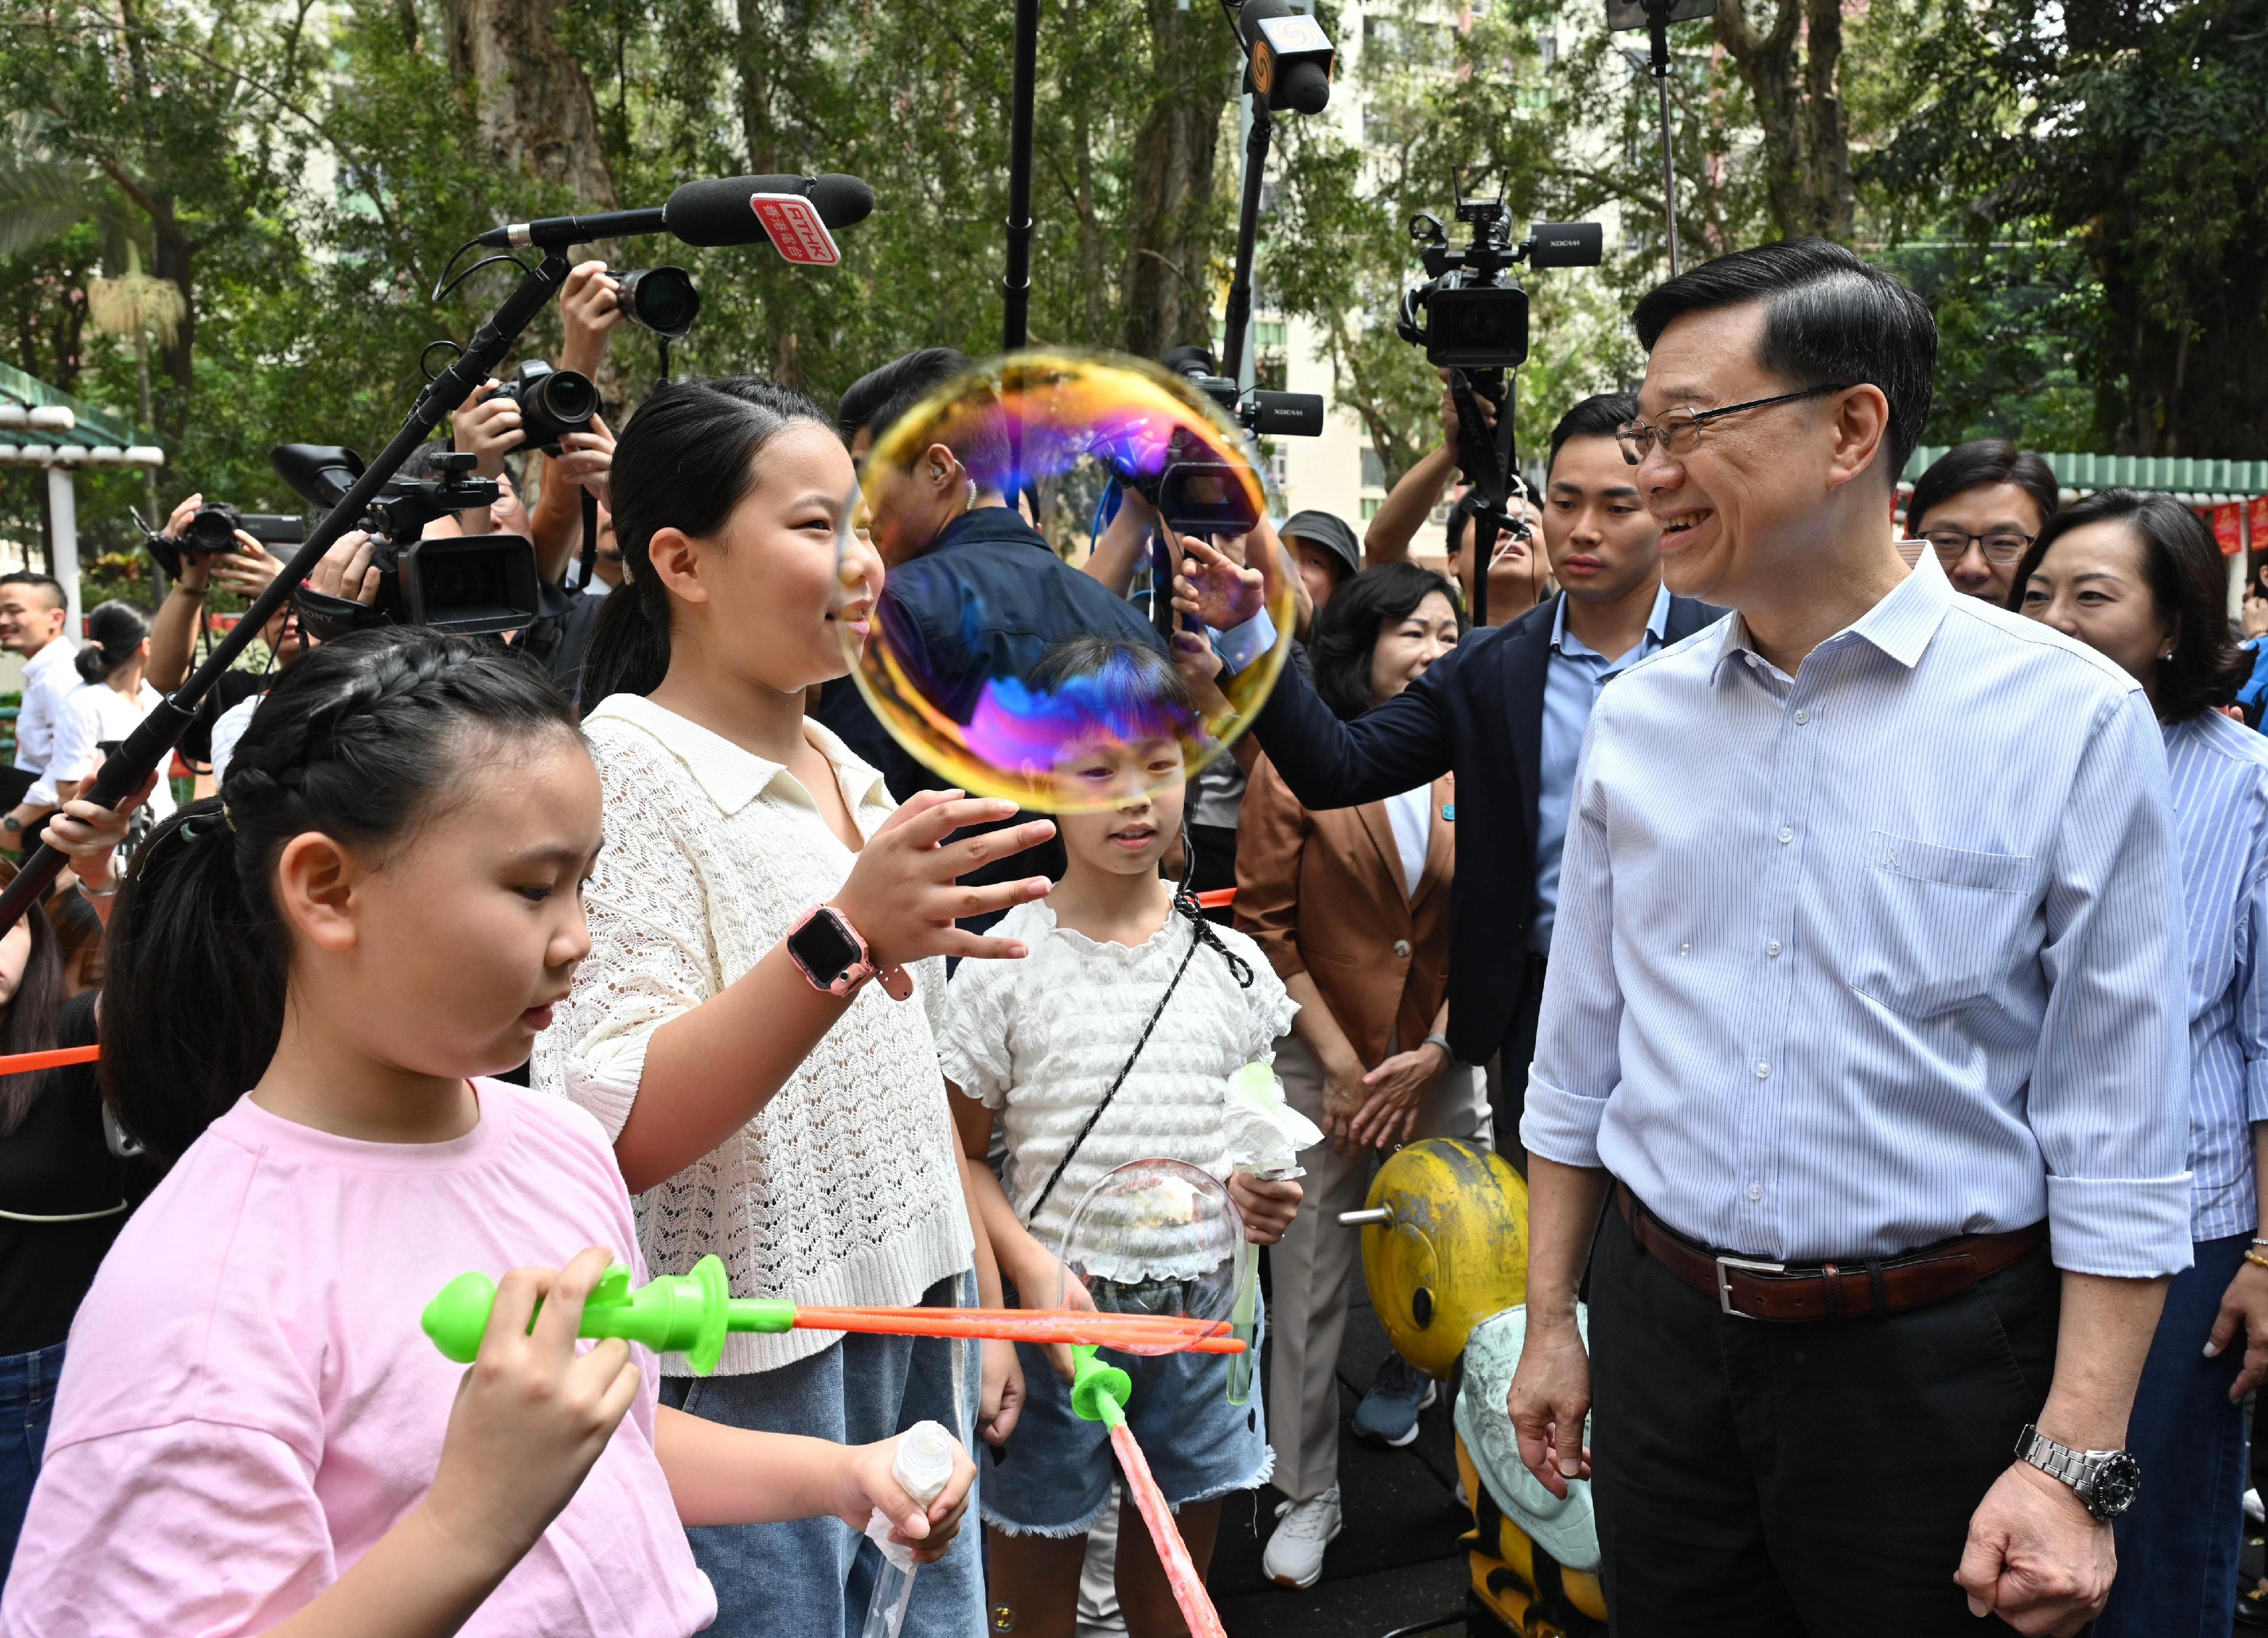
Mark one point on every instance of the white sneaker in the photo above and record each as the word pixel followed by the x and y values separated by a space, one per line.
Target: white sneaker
pixel 1294 1557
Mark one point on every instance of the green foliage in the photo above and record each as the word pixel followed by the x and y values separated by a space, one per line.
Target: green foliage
pixel 2078 189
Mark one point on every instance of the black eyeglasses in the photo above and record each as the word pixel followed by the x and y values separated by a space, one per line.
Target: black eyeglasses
pixel 1680 430
pixel 2001 547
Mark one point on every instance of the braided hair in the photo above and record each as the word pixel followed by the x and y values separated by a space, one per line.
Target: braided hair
pixel 363 740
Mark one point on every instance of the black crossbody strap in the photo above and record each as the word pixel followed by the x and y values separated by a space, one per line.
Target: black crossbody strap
pixel 1124 1069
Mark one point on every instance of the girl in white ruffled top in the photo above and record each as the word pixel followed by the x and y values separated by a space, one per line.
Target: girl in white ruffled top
pixel 1124 988
pixel 801 1132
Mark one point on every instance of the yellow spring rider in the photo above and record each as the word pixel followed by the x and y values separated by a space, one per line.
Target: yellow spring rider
pixel 1445 1254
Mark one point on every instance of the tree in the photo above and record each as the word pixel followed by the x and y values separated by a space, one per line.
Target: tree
pixel 535 106
pixel 1793 69
pixel 2137 133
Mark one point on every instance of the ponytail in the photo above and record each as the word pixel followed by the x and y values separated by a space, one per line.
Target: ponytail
pixel 360 741
pixel 686 460
pixel 115 632
pixel 28 1024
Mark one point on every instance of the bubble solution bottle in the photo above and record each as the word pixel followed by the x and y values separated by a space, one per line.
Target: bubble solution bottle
pixel 922 1467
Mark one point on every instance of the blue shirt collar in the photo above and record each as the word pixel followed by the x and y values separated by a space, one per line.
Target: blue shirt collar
pixel 1656 624
pixel 1901 625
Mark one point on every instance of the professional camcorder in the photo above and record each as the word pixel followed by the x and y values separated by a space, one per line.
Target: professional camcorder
pixel 464 585
pixel 552 402
pixel 1472 318
pixel 1270 414
pixel 1470 314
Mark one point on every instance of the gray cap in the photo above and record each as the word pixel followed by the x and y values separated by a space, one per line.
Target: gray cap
pixel 1328 531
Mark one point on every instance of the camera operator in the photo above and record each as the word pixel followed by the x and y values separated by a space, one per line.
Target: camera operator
pixel 1517 580
pixel 33 610
pixel 245 572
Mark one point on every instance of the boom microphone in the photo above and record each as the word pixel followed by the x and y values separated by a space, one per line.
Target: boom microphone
pixel 1291 57
pixel 711 213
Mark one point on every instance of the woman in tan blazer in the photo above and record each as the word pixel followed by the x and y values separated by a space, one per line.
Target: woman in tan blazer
pixel 1351 906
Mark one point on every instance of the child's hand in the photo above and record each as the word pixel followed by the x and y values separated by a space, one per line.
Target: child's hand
pixel 531 1415
pixel 1268 1207
pixel 869 1486
pixel 1043 1281
pixel 1003 1402
pixel 903 894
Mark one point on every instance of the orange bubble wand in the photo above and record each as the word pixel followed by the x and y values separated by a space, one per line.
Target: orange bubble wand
pixel 692 1313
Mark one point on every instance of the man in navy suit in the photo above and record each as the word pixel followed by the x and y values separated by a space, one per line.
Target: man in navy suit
pixel 1505 712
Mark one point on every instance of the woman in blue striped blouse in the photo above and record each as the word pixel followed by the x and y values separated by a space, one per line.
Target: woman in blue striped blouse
pixel 2138 577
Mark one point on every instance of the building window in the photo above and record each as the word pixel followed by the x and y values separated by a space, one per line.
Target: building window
pixel 1374 470
pixel 1370 505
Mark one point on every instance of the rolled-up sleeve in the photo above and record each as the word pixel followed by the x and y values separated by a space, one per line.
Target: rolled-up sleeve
pixel 2252 995
pixel 1578 1036
pixel 2108 1102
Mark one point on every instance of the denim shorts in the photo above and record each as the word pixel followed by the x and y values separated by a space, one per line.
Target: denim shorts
pixel 1054 1477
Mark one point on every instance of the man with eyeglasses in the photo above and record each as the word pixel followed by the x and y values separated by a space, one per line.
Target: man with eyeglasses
pixel 1979 506
pixel 1859 1081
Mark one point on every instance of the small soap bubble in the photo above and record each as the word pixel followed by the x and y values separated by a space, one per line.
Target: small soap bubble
pixel 1012 675
pixel 1156 1236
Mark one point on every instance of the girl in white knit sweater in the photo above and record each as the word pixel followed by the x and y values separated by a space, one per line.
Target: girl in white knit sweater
pixel 1125 987
pixel 800 1132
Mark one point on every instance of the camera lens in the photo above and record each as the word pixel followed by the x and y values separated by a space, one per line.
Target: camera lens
pixel 662 300
pixel 567 397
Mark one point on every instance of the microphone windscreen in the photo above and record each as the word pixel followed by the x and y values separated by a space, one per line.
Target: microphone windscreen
pixel 842 200
pixel 715 211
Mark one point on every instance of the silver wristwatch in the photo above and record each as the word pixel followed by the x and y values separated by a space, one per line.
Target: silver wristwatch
pixel 2106 1481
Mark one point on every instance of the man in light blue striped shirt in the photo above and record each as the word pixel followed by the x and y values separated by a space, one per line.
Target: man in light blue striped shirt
pixel 1864 1028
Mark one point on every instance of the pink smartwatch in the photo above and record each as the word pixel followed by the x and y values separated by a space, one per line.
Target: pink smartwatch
pixel 835 958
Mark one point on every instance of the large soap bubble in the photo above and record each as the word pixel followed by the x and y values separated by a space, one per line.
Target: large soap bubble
pixel 1023 677
pixel 1156 1236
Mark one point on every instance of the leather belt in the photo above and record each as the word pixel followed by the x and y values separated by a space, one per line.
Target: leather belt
pixel 1857 1289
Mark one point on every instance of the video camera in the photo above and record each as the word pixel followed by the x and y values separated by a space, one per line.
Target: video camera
pixel 467 585
pixel 1475 316
pixel 1472 318
pixel 1267 415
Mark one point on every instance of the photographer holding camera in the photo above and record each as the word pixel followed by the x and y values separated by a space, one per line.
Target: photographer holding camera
pixel 244 568
pixel 1517 581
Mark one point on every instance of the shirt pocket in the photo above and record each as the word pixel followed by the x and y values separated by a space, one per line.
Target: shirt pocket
pixel 1937 926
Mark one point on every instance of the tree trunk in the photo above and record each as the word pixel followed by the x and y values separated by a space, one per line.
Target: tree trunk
pixel 1827 134
pixel 536 113
pixel 1794 84
pixel 1168 288
pixel 758 43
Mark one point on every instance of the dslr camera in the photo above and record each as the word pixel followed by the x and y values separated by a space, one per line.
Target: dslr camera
pixel 552 403
pixel 1470 314
pixel 466 585
pixel 212 530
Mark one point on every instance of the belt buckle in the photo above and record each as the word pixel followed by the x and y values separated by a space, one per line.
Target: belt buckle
pixel 1748 1265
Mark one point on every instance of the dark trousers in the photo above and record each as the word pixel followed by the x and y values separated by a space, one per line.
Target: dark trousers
pixel 27 1399
pixel 1775 1480
pixel 1508 1075
pixel 2177 1545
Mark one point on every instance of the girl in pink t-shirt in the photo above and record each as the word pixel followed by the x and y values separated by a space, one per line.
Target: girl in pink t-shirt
pixel 252 1433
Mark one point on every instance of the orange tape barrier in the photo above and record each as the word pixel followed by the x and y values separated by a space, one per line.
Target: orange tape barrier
pixel 1219 898
pixel 54 1058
